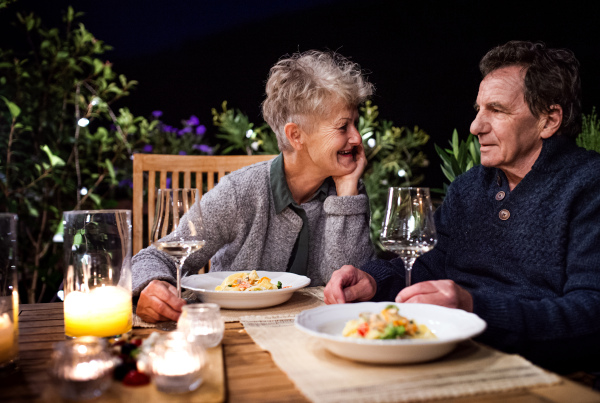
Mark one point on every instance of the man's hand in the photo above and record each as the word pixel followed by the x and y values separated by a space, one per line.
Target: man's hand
pixel 159 303
pixel 347 185
pixel 439 292
pixel 349 284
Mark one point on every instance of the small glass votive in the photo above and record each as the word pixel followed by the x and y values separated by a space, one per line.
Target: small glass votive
pixel 82 367
pixel 175 364
pixel 202 322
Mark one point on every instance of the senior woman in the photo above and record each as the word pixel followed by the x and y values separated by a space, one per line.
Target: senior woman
pixel 305 211
pixel 519 235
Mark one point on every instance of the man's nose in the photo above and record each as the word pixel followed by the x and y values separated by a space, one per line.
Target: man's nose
pixel 480 125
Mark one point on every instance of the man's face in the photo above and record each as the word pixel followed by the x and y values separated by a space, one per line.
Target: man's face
pixel 509 134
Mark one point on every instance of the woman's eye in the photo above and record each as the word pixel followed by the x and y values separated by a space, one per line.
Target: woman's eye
pixel 343 128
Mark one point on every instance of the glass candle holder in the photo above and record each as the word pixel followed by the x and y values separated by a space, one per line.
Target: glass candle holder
pixel 175 364
pixel 81 368
pixel 202 323
pixel 97 282
pixel 9 294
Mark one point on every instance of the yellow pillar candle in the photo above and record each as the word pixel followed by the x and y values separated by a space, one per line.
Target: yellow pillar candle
pixel 7 339
pixel 102 312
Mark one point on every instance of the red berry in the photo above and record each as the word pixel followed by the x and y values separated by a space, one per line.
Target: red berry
pixel 135 378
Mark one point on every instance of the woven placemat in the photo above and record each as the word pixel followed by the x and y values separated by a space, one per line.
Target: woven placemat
pixel 470 369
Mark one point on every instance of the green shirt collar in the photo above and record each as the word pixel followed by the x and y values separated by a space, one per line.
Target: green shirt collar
pixel 282 196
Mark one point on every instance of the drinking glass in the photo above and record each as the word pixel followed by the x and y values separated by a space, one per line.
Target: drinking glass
pixel 202 323
pixel 408 227
pixel 171 205
pixel 9 294
pixel 97 282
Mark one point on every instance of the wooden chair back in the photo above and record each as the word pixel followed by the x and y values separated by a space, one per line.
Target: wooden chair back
pixel 151 171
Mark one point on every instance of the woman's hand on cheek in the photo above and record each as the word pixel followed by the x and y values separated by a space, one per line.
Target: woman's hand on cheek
pixel 347 185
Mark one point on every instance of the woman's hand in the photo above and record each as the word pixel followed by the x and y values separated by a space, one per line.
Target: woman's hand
pixel 347 185
pixel 159 303
pixel 439 292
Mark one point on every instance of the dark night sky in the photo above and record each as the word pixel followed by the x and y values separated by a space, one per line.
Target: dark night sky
pixel 422 56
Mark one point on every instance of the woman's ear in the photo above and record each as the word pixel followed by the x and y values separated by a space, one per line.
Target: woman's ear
pixel 294 135
pixel 552 122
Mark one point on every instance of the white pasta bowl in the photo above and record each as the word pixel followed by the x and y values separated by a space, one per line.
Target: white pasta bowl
pixel 204 285
pixel 450 327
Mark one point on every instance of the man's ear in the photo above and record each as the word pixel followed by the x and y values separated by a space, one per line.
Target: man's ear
pixel 552 122
pixel 294 135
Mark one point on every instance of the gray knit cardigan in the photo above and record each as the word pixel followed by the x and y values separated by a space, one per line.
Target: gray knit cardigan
pixel 243 232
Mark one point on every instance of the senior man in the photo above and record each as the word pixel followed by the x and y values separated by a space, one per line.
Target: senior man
pixel 519 235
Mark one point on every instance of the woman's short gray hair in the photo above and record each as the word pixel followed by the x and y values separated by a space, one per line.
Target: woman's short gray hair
pixel 306 85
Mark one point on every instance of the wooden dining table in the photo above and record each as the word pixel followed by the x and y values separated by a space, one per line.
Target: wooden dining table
pixel 248 372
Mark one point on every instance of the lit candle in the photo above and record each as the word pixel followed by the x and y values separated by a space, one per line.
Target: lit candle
pixel 103 312
pixel 7 339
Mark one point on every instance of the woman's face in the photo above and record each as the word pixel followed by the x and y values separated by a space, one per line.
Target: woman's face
pixel 333 143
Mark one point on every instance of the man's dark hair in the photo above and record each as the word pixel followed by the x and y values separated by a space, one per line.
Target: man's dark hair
pixel 551 78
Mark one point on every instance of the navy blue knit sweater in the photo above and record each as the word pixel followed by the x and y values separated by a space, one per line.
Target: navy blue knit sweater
pixel 534 277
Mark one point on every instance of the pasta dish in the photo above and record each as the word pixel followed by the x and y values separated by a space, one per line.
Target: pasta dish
pixel 247 282
pixel 387 324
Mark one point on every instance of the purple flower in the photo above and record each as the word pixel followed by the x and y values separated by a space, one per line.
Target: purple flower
pixel 193 121
pixel 168 129
pixel 206 149
pixel 157 114
pixel 184 131
pixel 200 130
pixel 148 148
pixel 168 183
pixel 126 182
pixel 182 152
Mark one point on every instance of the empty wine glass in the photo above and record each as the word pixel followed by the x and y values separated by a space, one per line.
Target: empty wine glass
pixel 171 205
pixel 408 227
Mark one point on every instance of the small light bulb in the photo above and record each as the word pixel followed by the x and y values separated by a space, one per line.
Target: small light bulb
pixel 401 173
pixel 371 143
pixel 83 122
pixel 95 101
pixel 83 191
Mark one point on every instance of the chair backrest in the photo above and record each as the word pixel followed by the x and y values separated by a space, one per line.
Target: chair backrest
pixel 184 171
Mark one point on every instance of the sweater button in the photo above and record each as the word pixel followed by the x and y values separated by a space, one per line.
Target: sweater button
pixel 500 195
pixel 504 214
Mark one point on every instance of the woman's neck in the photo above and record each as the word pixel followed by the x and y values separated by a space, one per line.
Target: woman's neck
pixel 301 177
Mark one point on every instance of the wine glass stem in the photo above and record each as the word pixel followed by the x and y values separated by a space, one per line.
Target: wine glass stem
pixel 408 264
pixel 179 265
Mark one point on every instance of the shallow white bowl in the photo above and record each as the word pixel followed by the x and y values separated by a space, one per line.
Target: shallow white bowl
pixel 449 325
pixel 204 285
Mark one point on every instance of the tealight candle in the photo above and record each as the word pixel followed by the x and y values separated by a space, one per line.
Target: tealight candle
pixel 8 345
pixel 82 368
pixel 175 364
pixel 203 323
pixel 102 312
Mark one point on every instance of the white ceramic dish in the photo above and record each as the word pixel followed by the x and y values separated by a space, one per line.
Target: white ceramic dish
pixel 204 285
pixel 449 325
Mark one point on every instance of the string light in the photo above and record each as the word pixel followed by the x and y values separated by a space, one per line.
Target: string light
pixel 83 122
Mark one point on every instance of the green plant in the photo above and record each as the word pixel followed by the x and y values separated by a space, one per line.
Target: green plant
pixel 589 137
pixel 393 153
pixel 62 145
pixel 462 156
pixel 240 135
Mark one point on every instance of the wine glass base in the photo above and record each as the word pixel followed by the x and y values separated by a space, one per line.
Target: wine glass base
pixel 167 326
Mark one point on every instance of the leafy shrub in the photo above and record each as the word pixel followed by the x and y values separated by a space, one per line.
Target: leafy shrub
pixel 462 156
pixel 589 137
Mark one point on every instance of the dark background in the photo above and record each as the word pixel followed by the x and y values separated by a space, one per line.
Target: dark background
pixel 189 56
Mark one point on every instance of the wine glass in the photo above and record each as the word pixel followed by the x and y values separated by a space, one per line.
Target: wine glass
pixel 408 227
pixel 171 205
